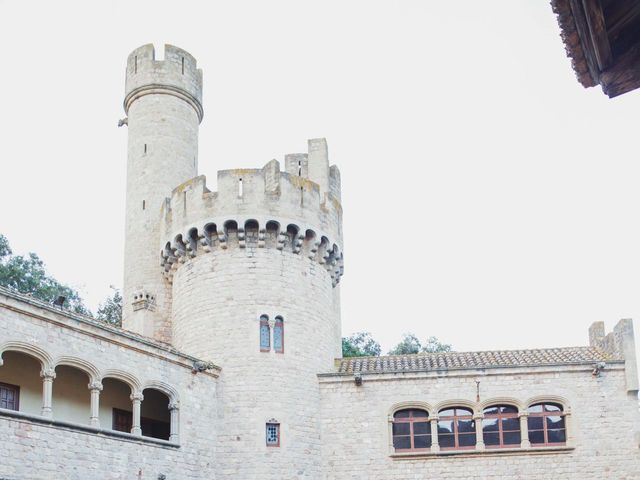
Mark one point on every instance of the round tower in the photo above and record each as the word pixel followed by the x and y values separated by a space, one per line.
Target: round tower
pixel 254 269
pixel 163 102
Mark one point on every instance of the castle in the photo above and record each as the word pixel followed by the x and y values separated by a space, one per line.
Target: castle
pixel 227 365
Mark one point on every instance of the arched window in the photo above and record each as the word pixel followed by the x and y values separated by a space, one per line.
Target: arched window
pixel 411 430
pixel 20 383
pixel 546 424
pixel 265 334
pixel 278 335
pixel 456 428
pixel 501 426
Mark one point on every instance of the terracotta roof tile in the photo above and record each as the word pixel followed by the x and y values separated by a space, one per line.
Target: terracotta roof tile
pixel 472 360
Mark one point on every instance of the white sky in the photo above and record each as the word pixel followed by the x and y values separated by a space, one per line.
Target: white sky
pixel 488 198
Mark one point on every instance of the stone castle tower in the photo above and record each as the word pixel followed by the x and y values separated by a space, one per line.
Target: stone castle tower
pixel 246 276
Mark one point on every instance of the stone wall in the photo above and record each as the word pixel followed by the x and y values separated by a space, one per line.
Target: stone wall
pixel 163 104
pixel 218 300
pixel 602 427
pixel 37 446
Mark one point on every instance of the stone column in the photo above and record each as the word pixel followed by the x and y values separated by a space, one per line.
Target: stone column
pixel 136 398
pixel 174 435
pixel 479 437
pixel 95 388
pixel 47 391
pixel 524 430
pixel 435 446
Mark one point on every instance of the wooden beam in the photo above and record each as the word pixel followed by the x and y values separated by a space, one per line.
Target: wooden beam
pixel 585 39
pixel 622 16
pixel 598 33
pixel 624 76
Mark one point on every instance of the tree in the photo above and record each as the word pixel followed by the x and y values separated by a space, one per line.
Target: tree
pixel 27 274
pixel 360 344
pixel 410 345
pixel 434 345
pixel 110 311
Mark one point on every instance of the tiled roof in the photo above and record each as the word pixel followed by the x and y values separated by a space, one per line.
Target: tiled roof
pixel 471 360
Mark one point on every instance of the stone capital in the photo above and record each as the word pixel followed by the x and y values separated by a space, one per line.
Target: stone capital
pixel 174 405
pixel 95 386
pixel 137 397
pixel 47 373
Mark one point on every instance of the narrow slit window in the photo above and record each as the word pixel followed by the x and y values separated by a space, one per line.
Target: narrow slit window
pixel 265 334
pixel 278 335
pixel 135 64
pixel 273 434
pixel 143 204
pixel 145 148
pixel 240 187
pixel 183 65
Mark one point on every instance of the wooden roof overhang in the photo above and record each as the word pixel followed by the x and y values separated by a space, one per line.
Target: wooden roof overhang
pixel 602 38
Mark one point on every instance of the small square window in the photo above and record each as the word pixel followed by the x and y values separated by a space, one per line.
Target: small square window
pixel 273 434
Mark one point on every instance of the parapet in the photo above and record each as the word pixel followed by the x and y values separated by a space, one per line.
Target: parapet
pixel 178 75
pixel 259 208
pixel 620 343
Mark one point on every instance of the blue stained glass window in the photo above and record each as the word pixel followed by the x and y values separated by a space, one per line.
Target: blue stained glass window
pixel 273 434
pixel 264 333
pixel 278 335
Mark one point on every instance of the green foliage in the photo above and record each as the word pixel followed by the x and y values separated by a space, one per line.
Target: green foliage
pixel 410 345
pixel 434 345
pixel 360 344
pixel 110 311
pixel 28 275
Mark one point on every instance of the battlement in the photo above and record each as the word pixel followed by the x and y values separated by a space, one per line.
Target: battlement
pixel 252 207
pixel 178 75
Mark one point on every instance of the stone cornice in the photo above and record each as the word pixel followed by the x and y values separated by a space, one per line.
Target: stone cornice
pixel 159 89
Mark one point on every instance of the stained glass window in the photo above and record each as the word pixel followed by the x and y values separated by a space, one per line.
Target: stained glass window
pixel 273 434
pixel 278 335
pixel 264 334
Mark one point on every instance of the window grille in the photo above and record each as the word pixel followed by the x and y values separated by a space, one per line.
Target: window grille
pixel 273 434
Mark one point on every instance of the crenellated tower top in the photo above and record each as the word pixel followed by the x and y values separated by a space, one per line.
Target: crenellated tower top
pixel 178 74
pixel 288 205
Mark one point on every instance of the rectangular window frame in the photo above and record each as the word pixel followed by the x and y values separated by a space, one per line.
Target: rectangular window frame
pixel 411 421
pixel 456 434
pixel 16 393
pixel 501 431
pixel 117 412
pixel 278 433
